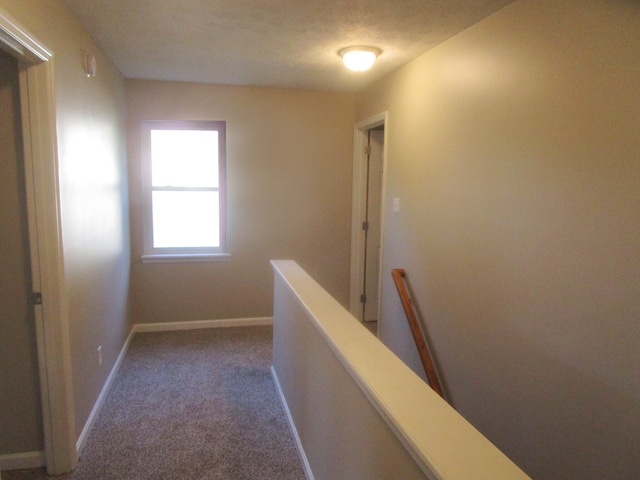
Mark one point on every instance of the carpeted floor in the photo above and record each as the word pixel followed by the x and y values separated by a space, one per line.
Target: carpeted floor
pixel 196 404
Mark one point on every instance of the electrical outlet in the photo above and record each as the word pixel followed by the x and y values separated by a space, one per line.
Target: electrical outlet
pixel 100 356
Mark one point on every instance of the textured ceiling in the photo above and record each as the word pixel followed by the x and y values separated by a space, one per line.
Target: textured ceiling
pixel 280 43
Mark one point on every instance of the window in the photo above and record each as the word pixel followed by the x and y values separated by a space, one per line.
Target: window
pixel 184 190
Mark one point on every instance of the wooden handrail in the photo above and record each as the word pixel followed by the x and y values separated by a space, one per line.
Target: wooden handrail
pixel 418 336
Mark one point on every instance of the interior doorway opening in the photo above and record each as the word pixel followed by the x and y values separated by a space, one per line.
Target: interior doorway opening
pixel 372 225
pixel 37 99
pixel 20 396
pixel 367 220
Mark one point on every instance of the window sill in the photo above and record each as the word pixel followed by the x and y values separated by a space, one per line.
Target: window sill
pixel 185 257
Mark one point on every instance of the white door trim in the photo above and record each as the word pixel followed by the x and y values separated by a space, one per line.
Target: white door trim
pixel 37 97
pixel 358 212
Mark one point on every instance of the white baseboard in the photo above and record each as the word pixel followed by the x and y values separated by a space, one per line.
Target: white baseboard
pixel 84 435
pixel 21 461
pixel 194 324
pixel 303 456
pixel 151 327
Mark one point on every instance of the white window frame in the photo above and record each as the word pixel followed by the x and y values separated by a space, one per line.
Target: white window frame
pixel 183 254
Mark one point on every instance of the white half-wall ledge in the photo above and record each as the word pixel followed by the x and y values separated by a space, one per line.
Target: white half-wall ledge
pixel 358 412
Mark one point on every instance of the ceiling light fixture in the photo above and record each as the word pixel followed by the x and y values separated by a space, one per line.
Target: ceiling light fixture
pixel 359 59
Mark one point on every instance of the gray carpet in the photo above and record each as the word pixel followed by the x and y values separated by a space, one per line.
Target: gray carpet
pixel 197 404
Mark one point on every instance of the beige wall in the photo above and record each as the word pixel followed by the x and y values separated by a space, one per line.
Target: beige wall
pixel 515 151
pixel 289 155
pixel 20 414
pixel 93 186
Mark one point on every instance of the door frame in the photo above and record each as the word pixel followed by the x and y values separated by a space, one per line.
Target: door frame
pixel 37 98
pixel 359 206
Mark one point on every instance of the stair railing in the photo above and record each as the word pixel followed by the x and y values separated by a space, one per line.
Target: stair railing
pixel 418 336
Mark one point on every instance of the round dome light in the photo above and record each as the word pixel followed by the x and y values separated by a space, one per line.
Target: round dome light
pixel 359 59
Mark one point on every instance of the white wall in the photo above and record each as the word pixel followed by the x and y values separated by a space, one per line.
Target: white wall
pixel 514 149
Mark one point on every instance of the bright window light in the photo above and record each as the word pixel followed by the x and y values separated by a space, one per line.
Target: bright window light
pixel 185 219
pixel 186 158
pixel 184 174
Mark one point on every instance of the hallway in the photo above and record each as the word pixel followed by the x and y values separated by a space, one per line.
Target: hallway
pixel 193 404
